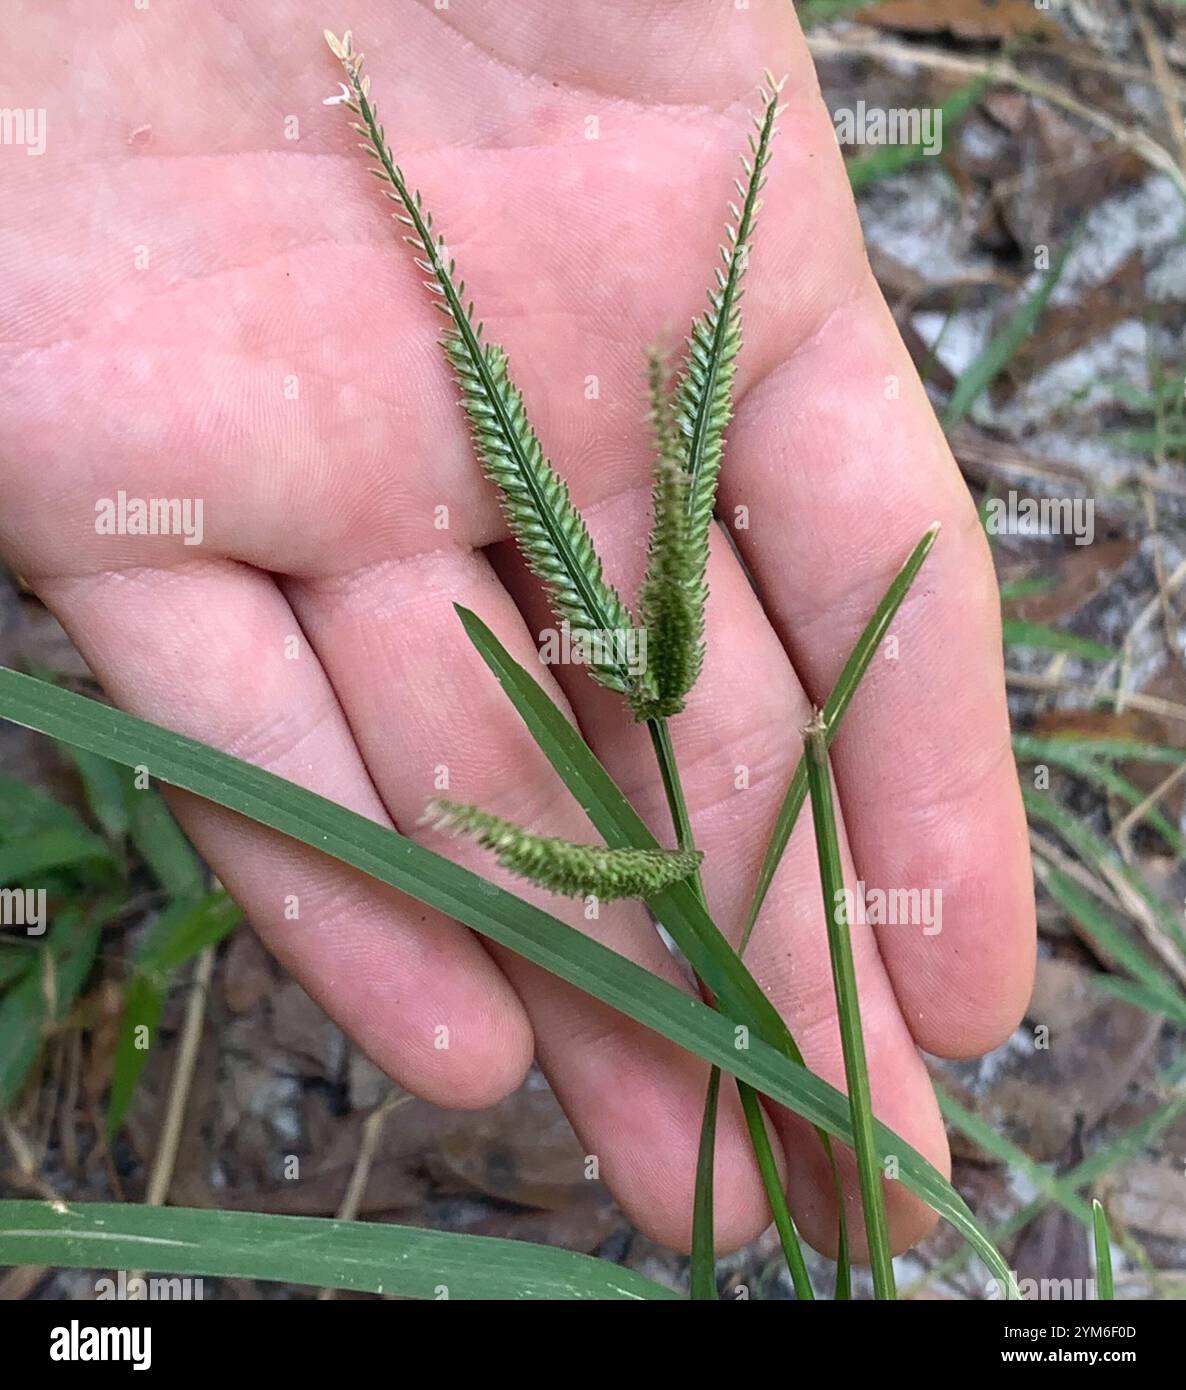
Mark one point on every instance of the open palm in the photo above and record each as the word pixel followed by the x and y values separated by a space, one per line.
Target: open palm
pixel 205 298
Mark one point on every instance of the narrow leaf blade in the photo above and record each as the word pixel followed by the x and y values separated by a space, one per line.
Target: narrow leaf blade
pixel 848 1010
pixel 368 1257
pixel 518 925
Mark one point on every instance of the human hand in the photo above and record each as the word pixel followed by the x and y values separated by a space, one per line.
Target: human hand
pixel 197 306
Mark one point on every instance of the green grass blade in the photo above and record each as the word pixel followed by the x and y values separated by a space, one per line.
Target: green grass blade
pixel 1027 588
pixel 103 783
pixel 1128 750
pixel 1017 633
pixel 1064 753
pixel 402 1261
pixel 843 1291
pixel 982 1133
pixel 1138 995
pixel 1127 1146
pixel 838 701
pixel 16 958
pixel 1104 775
pixel 44 851
pixel 24 809
pixel 880 163
pixel 1111 940
pixel 144 1003
pixel 185 930
pixel 704 1260
pixel 1105 1286
pixel 176 937
pixel 848 1009
pixel 813 12
pixel 755 1120
pixel 489 910
pixel 996 354
pixel 163 846
pixel 1095 851
pixel 46 993
pixel 1146 441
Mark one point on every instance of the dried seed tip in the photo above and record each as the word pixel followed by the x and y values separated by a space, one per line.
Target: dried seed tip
pixel 440 814
pixel 343 49
pixel 924 545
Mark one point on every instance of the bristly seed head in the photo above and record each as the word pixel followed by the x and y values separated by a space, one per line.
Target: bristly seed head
pixel 690 436
pixel 535 500
pixel 689 430
pixel 561 866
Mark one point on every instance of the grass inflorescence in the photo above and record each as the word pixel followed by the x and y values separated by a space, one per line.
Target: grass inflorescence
pixel 562 866
pixel 688 419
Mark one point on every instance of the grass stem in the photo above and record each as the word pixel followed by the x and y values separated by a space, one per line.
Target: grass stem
pixel 755 1120
pixel 1105 1287
pixel 856 1071
pixel 704 1261
pixel 838 701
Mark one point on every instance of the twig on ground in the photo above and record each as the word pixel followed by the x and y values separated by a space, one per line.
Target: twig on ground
pixel 372 1133
pixel 1163 77
pixel 1124 828
pixel 165 1160
pixel 1151 704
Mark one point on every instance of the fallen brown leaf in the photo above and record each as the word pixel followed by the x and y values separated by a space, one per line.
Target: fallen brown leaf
pixel 1080 573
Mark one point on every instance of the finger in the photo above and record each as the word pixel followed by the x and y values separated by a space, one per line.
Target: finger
pixel 431 720
pixel 207 318
pixel 835 467
pixel 737 744
pixel 923 761
pixel 203 649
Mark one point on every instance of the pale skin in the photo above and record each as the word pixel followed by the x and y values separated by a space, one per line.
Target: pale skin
pixel 175 264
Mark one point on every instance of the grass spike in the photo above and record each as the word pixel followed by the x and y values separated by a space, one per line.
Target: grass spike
pixel 703 395
pixel 671 603
pixel 535 500
pixel 564 867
